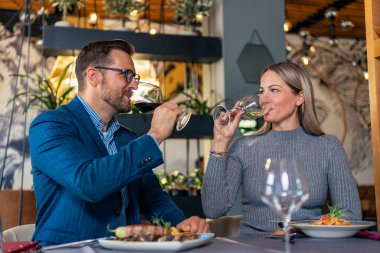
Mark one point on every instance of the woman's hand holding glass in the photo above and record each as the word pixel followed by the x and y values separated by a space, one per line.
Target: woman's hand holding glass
pixel 224 131
pixel 250 105
pixel 226 124
pixel 227 121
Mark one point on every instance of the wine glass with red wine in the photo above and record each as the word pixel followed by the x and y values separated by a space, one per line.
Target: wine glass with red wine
pixel 148 97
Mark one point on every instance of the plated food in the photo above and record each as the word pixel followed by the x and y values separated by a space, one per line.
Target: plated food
pixel 329 220
pixel 159 236
pixel 153 238
pixel 150 233
pixel 331 231
pixel 335 217
pixel 332 225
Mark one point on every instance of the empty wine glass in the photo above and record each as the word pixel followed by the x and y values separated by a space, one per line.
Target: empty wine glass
pixel 148 97
pixel 249 104
pixel 286 188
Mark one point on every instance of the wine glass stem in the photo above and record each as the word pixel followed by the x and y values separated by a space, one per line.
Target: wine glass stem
pixel 237 108
pixel 286 219
pixel 241 108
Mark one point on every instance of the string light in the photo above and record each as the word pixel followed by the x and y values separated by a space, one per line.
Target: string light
pixel 346 25
pixel 134 15
pixel 199 17
pixel 144 25
pixel 287 25
pixel 333 42
pixel 39 43
pixel 331 13
pixel 288 48
pixel 305 60
pixel 365 75
pixel 26 16
pixel 153 31
pixel 43 11
pixel 93 19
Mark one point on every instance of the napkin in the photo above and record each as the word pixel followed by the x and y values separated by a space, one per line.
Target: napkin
pixel 20 247
pixel 369 235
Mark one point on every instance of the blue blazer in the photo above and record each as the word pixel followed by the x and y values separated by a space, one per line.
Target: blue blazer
pixel 77 183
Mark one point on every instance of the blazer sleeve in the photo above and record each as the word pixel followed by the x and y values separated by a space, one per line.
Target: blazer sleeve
pixel 70 157
pixel 156 202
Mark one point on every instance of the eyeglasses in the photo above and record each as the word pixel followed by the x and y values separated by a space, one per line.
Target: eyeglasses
pixel 128 73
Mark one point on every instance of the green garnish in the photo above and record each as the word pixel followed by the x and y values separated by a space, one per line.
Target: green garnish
pixel 336 211
pixel 159 221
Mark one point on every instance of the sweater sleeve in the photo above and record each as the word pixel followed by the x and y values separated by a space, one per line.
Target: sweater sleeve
pixel 342 185
pixel 221 184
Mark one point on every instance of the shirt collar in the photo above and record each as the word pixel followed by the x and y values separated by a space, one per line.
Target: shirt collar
pixel 98 123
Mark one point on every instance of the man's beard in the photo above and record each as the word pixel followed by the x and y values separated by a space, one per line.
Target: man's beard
pixel 114 99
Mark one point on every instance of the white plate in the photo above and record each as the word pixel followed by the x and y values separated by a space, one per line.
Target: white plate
pixel 155 246
pixel 331 231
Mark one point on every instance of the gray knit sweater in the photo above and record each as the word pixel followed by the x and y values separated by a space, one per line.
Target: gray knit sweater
pixel 325 162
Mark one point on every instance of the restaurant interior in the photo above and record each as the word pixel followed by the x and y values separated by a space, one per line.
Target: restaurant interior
pixel 201 53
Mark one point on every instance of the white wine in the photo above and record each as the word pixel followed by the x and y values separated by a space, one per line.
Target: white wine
pixel 253 115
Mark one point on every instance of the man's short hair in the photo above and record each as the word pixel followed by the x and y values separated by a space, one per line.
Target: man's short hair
pixel 96 53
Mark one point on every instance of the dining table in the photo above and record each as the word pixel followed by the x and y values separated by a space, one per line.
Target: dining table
pixel 251 245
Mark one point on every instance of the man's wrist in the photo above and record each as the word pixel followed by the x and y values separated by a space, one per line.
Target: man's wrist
pixel 156 136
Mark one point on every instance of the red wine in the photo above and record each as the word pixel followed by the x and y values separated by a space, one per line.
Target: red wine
pixel 147 107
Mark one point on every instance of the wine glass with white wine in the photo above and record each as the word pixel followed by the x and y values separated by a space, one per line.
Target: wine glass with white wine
pixel 249 104
pixel 148 97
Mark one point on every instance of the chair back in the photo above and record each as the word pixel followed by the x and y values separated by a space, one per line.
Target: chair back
pixel 19 233
pixel 225 226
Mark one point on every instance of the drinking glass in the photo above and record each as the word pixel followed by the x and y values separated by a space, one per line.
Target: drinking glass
pixel 249 104
pixel 148 97
pixel 286 188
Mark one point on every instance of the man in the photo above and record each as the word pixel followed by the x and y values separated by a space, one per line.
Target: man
pixel 88 171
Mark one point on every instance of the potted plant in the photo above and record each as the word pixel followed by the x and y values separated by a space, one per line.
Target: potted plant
pixel 123 8
pixel 178 184
pixel 50 93
pixel 193 101
pixel 190 12
pixel 185 191
pixel 195 181
pixel 64 6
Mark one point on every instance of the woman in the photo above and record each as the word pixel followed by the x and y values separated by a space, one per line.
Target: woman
pixel 291 131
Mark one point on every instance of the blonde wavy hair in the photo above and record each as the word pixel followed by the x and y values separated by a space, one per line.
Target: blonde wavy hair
pixel 297 78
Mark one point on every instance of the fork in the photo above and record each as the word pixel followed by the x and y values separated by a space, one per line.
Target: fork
pixel 70 245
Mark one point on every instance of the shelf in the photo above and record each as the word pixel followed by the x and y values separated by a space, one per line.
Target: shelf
pixel 199 126
pixel 163 47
